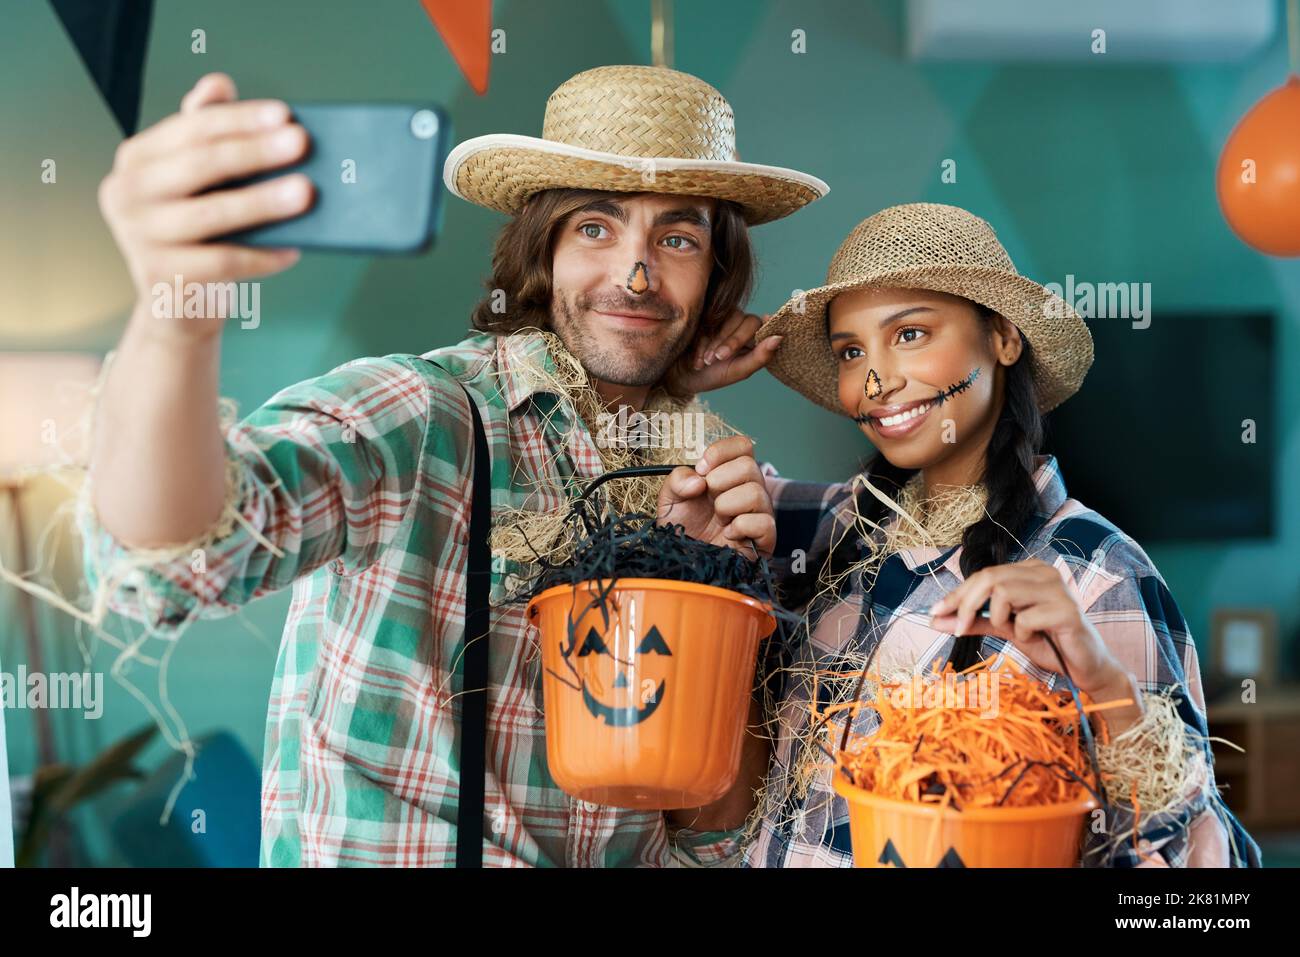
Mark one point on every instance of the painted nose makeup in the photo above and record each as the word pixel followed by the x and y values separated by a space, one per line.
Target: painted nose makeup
pixel 873 388
pixel 638 280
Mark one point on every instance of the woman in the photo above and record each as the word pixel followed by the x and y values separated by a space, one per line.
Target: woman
pixel 948 359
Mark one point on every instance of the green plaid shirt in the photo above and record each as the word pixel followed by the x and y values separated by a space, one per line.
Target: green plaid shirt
pixel 361 479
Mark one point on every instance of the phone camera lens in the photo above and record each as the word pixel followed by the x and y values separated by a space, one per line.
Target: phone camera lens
pixel 424 124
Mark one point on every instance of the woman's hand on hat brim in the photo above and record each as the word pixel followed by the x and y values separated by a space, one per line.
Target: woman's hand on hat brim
pixel 723 357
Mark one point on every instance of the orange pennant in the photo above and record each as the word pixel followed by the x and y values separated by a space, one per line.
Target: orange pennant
pixel 466 28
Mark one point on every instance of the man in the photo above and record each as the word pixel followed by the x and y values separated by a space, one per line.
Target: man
pixel 629 244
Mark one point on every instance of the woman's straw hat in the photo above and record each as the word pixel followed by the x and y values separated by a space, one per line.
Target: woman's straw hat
pixel 943 249
pixel 628 129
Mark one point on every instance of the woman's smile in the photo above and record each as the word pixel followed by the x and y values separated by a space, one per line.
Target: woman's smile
pixel 896 421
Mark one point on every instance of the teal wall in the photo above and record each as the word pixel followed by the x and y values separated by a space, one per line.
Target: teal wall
pixel 1102 171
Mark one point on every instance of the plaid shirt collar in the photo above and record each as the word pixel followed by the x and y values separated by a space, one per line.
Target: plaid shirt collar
pixel 520 350
pixel 1051 494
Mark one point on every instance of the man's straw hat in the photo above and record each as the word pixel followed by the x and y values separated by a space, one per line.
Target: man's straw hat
pixel 943 249
pixel 628 129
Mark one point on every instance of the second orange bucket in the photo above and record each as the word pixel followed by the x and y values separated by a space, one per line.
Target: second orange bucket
pixel 648 709
pixel 887 832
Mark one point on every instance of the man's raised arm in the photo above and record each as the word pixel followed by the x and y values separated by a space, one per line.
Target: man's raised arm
pixel 157 459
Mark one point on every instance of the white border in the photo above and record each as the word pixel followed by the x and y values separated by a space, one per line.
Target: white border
pixel 6 808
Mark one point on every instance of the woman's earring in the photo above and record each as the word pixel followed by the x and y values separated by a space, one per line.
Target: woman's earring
pixel 873 388
pixel 638 280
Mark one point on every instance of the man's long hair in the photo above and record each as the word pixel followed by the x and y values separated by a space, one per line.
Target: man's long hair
pixel 519 289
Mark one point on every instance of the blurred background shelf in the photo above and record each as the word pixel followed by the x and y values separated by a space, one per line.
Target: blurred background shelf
pixel 1261 786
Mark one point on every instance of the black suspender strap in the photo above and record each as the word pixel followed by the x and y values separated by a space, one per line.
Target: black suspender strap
pixel 473 724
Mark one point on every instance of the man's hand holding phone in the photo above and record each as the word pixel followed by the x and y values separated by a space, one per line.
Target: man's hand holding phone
pixel 155 203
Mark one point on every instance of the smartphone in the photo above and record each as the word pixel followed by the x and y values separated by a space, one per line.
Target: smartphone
pixel 377 169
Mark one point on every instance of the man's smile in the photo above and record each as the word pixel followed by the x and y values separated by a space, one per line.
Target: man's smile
pixel 626 320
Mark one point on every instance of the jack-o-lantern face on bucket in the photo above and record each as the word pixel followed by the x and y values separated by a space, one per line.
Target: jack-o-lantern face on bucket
pixel 622 691
pixel 646 688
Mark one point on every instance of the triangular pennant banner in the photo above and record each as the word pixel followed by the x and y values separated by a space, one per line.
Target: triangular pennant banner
pixel 111 37
pixel 466 28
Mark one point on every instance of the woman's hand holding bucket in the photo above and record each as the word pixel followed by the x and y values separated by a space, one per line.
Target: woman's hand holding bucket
pixel 723 499
pixel 1027 601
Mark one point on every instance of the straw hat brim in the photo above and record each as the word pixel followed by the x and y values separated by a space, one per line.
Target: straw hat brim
pixel 501 170
pixel 1060 338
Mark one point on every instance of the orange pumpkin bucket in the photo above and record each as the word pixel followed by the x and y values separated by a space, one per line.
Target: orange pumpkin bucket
pixel 646 688
pixel 890 833
pixel 982 768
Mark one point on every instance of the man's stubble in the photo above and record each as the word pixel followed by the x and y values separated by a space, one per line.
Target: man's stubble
pixel 616 368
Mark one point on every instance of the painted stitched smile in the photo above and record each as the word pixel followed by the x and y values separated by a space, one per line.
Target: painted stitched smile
pixel 898 424
pixel 890 416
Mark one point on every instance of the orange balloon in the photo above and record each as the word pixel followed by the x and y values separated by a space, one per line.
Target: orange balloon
pixel 1259 173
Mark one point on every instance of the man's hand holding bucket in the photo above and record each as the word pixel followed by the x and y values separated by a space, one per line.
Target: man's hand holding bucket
pixel 723 499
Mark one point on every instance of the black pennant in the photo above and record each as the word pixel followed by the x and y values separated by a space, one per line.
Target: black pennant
pixel 111 37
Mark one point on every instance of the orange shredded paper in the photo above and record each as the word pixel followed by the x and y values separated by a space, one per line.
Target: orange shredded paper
pixel 953 739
